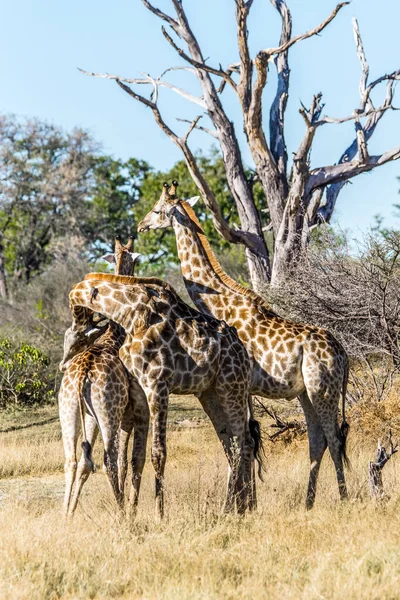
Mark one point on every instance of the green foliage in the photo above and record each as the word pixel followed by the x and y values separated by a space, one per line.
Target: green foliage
pixel 45 176
pixel 62 201
pixel 25 379
pixel 117 187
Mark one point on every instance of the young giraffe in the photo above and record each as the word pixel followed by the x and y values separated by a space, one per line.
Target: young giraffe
pixel 171 347
pixel 97 378
pixel 290 359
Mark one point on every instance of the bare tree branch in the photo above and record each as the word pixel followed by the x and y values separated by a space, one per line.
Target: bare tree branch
pixel 232 235
pixel 363 61
pixel 278 106
pixel 375 468
pixel 246 66
pixel 197 64
pixel 365 109
pixel 298 38
pixel 355 116
pixel 257 252
pixel 345 171
pixel 214 134
pixel 149 81
pixel 174 24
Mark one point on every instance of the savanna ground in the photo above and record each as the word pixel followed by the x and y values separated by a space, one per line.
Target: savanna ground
pixel 280 551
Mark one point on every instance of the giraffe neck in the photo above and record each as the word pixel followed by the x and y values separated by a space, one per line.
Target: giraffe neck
pixel 113 338
pixel 202 283
pixel 130 308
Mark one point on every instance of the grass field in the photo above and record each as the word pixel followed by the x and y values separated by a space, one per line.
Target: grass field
pixel 281 551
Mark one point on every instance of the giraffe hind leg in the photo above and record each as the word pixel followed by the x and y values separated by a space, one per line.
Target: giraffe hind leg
pixel 326 408
pixel 69 428
pixel 84 469
pixel 317 446
pixel 141 416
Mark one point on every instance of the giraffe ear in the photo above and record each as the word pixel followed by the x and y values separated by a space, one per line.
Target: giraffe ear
pixel 192 201
pixel 134 256
pixel 109 257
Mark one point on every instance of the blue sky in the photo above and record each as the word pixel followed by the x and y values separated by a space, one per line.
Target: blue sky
pixel 43 43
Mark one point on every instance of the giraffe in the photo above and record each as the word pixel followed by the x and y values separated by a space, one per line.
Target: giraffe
pixel 290 359
pixel 171 347
pixel 96 378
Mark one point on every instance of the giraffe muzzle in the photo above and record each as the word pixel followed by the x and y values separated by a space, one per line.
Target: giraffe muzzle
pixel 142 227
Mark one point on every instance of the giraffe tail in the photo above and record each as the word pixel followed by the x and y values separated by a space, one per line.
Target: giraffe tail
pixel 255 432
pixel 86 446
pixel 259 452
pixel 345 427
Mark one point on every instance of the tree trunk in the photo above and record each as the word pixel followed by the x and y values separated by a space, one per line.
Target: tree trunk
pixel 3 281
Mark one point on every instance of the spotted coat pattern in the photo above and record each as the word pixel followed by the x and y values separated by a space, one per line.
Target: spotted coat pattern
pixel 171 347
pixel 96 379
pixel 289 359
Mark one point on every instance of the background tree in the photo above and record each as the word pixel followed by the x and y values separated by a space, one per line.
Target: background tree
pixel 62 201
pixel 296 199
pixel 45 177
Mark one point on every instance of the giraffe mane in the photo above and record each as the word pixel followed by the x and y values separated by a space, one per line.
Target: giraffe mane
pixel 218 270
pixel 127 279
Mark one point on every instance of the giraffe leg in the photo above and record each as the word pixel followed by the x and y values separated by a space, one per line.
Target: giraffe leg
pixel 157 398
pixel 141 419
pixel 111 464
pixel 83 468
pixel 326 408
pixel 317 446
pixel 231 443
pixel 240 457
pixel 124 435
pixel 68 411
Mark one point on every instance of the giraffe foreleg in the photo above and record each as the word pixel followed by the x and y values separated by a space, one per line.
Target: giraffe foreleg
pixel 157 398
pixel 141 416
pixel 124 435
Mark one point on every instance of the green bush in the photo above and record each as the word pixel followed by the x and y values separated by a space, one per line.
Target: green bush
pixel 25 378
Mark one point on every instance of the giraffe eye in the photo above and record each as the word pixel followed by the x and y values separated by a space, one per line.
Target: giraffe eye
pixel 157 212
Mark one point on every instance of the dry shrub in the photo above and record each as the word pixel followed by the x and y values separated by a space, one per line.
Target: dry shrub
pixel 357 299
pixel 372 419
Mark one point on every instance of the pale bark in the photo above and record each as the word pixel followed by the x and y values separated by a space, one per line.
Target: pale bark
pixel 297 202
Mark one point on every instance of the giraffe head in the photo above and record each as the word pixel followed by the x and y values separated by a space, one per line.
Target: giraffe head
pixel 122 258
pixel 165 209
pixel 87 326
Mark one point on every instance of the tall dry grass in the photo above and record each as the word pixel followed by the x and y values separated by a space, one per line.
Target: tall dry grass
pixel 280 551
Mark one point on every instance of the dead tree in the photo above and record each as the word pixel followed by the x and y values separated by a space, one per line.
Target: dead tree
pixel 375 468
pixel 297 199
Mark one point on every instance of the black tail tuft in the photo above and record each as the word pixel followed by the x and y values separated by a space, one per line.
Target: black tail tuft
pixel 87 453
pixel 344 432
pixel 259 453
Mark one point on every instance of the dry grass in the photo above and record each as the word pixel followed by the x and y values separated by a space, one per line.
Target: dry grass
pixel 281 551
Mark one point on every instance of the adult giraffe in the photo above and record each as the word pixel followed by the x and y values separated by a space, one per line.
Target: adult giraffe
pixel 171 347
pixel 97 387
pixel 290 359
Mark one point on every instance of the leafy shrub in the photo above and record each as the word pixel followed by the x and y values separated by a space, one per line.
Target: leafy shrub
pixel 25 378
